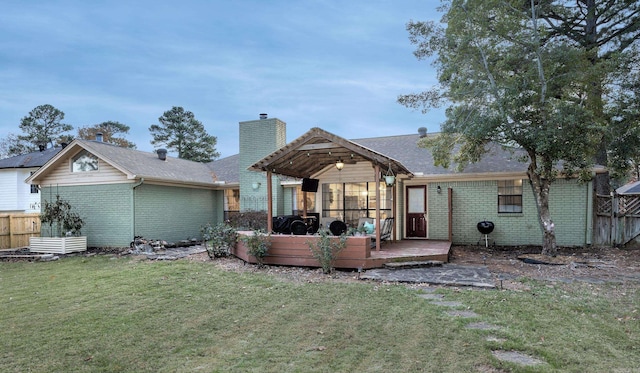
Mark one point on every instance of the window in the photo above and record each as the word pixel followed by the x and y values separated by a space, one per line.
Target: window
pixel 298 202
pixel 510 196
pixel 351 201
pixel 231 203
pixel 34 187
pixel 84 162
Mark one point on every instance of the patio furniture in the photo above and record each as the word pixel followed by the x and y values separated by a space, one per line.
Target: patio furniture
pixel 385 233
pixel 337 227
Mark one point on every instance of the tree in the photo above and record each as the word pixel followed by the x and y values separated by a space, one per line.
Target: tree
pixel 181 132
pixel 608 32
pixel 43 126
pixel 624 112
pixel 109 131
pixel 510 84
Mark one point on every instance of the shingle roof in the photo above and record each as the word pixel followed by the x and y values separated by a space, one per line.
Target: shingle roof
pixel 226 169
pixel 30 160
pixel 632 188
pixel 419 160
pixel 147 165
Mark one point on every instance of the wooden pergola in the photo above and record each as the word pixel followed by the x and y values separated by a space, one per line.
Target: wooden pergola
pixel 312 153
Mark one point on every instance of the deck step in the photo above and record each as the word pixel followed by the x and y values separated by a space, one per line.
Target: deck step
pixel 414 264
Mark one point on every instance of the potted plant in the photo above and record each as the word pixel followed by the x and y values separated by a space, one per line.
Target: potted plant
pixel 64 229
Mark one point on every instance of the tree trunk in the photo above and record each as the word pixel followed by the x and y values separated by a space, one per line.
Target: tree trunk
pixel 540 187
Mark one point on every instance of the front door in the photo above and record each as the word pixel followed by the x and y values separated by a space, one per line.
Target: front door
pixel 416 211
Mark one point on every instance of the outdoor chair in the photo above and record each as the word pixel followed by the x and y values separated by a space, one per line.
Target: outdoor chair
pixel 385 233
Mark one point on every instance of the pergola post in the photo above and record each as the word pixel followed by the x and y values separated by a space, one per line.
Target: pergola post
pixel 378 227
pixel 269 203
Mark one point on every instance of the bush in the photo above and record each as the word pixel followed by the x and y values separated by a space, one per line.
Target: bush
pixel 258 245
pixel 326 249
pixel 218 239
pixel 67 222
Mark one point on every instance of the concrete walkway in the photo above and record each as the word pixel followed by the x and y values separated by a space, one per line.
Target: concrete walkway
pixel 447 274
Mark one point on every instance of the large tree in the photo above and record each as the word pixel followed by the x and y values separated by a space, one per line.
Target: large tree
pixel 110 131
pixel 608 31
pixel 179 131
pixel 507 82
pixel 43 126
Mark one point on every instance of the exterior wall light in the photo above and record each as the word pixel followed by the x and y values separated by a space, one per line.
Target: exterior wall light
pixel 340 165
pixel 255 185
pixel 438 189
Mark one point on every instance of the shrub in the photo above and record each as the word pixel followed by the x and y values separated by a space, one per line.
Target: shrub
pixel 67 222
pixel 218 239
pixel 258 245
pixel 326 249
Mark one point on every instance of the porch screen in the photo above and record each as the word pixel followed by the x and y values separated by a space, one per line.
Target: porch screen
pixel 350 201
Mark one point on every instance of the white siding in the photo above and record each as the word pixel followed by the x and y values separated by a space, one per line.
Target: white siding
pixel 15 194
pixel 62 175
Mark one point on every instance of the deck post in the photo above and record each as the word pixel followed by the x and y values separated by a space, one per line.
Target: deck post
pixel 378 227
pixel 269 203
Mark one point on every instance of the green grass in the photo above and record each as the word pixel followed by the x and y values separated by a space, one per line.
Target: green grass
pixel 104 314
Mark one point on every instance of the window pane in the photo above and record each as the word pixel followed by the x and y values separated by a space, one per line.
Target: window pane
pixel 510 196
pixel 84 161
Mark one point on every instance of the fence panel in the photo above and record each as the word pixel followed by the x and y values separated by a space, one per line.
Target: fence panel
pixel 15 229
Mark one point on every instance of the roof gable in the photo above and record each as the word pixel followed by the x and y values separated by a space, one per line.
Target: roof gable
pixel 317 149
pixel 135 164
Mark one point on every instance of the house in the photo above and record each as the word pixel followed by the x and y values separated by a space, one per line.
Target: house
pixel 122 193
pixel 16 195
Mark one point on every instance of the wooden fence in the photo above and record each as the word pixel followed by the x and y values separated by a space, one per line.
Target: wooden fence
pixel 15 229
pixel 617 220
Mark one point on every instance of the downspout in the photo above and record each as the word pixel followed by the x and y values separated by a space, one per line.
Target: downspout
pixel 133 207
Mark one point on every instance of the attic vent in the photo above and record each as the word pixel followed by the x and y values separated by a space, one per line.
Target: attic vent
pixel 422 131
pixel 99 136
pixel 263 116
pixel 162 154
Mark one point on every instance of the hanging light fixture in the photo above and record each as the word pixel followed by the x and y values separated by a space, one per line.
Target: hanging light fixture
pixel 389 177
pixel 339 165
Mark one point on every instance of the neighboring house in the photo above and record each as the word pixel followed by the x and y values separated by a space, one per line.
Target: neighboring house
pixel 122 193
pixel 16 195
pixel 629 189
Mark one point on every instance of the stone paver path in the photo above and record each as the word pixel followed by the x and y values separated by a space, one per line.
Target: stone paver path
pixel 448 274
pixel 452 310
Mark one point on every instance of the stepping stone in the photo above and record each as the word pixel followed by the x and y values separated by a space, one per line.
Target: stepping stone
pixel 516 357
pixel 431 296
pixel 493 338
pixel 414 264
pixel 464 314
pixel 482 326
pixel 447 303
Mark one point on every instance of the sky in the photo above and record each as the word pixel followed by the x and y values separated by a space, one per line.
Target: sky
pixel 337 65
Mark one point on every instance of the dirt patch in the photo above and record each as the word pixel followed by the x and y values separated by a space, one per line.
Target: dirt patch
pixel 590 264
pixel 595 265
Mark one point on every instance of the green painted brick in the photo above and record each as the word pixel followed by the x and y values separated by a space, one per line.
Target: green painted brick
pixel 475 201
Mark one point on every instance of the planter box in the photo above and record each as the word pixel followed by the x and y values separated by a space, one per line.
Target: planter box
pixel 293 250
pixel 57 245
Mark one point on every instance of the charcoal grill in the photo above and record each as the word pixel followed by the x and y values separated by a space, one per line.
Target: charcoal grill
pixel 485 228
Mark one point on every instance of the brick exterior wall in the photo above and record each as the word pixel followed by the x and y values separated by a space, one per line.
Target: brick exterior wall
pixel 259 138
pixel 161 212
pixel 105 209
pixel 475 201
pixel 171 213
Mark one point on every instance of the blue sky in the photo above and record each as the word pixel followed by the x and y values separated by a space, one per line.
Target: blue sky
pixel 338 65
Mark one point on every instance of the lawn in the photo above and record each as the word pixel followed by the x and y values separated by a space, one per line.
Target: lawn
pixel 118 314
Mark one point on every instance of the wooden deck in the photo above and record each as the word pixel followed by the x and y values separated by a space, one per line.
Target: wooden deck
pixel 294 250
